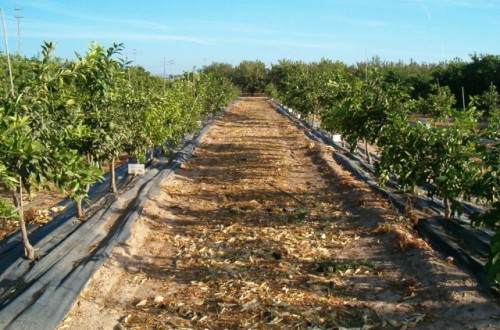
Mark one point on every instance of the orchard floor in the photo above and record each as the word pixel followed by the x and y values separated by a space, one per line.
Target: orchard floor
pixel 262 229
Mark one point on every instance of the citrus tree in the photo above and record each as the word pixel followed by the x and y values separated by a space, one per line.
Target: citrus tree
pixel 35 148
pixel 99 81
pixel 251 76
pixel 441 158
pixel 365 107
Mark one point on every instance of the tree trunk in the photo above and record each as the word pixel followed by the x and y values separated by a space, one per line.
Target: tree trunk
pixel 112 181
pixel 79 204
pixel 29 251
pixel 152 155
pixel 448 213
pixel 164 150
pixel 79 209
pixel 367 152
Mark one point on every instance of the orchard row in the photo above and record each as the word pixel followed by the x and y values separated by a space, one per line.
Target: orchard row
pixel 423 142
pixel 61 121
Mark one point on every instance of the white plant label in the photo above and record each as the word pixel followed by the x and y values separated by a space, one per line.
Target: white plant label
pixel 136 169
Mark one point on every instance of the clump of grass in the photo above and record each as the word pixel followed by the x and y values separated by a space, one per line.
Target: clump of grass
pixel 342 265
pixel 302 213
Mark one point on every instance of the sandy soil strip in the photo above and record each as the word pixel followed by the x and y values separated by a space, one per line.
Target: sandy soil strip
pixel 263 230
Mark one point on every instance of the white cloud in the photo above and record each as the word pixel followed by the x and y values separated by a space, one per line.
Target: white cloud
pixel 478 4
pixel 69 12
pixel 116 36
pixel 361 22
pixel 426 10
pixel 287 43
pixel 230 27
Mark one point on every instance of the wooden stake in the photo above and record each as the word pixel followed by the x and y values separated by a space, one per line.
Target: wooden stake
pixel 463 97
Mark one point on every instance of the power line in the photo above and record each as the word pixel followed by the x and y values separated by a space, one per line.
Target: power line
pixel 19 33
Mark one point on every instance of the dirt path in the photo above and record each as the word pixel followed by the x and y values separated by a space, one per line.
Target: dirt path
pixel 263 230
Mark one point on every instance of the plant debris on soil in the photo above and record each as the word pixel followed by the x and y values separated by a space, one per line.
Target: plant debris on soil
pixel 263 230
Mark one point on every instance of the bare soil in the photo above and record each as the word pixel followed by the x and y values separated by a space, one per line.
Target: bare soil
pixel 263 230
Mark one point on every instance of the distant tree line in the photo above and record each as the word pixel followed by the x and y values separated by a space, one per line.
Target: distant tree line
pixel 470 80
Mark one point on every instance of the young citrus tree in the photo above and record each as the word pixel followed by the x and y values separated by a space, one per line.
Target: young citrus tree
pixel 364 107
pixel 99 81
pixel 35 147
pixel 442 158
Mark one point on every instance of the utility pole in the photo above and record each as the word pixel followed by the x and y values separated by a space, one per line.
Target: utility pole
pixel 19 33
pixel 128 71
pixel 194 81
pixel 8 58
pixel 164 72
pixel 134 52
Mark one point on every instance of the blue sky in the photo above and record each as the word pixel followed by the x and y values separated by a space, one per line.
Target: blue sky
pixel 190 33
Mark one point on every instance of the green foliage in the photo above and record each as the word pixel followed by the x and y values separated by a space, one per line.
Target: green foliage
pixel 492 217
pixel 442 156
pixel 438 104
pixel 455 158
pixel 222 70
pixel 488 103
pixel 99 80
pixel 487 183
pixel 343 265
pixel 475 76
pixel 70 117
pixel 271 91
pixel 493 265
pixel 285 77
pixel 416 77
pixel 281 73
pixel 365 107
pixel 305 87
pixel 251 76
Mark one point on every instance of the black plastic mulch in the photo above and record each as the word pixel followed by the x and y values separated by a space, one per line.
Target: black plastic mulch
pixel 38 294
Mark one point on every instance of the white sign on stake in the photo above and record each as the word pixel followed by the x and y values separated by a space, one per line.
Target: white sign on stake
pixel 136 169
